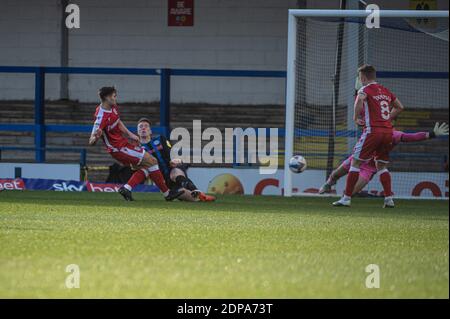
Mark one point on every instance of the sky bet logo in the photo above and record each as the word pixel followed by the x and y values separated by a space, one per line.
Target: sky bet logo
pixel 67 187
pixel 90 187
pixel 12 184
pixel 108 188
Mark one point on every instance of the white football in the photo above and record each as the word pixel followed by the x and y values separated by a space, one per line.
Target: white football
pixel 297 164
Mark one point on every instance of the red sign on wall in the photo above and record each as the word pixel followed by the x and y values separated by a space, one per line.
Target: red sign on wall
pixel 181 13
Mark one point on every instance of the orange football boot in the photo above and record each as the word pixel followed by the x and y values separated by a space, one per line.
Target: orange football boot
pixel 206 198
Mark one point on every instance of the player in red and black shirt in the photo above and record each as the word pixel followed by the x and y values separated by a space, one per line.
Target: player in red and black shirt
pixel 375 108
pixel 124 146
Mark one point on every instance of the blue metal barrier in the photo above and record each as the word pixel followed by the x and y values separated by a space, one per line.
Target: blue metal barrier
pixel 40 128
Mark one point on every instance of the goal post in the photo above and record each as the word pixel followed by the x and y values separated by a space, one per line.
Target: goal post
pixel 314 98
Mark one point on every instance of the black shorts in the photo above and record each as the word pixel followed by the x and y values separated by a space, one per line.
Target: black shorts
pixel 170 184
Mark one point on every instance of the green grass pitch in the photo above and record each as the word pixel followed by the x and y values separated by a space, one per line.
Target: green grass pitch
pixel 240 246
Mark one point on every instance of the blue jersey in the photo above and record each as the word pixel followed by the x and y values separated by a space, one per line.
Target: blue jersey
pixel 159 147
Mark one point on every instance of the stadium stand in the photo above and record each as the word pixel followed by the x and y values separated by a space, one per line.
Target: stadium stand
pixel 70 113
pixel 220 116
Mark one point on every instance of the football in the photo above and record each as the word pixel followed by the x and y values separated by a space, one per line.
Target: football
pixel 297 164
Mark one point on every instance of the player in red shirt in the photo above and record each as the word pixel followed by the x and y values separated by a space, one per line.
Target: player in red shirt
pixel 375 108
pixel 124 146
pixel 368 169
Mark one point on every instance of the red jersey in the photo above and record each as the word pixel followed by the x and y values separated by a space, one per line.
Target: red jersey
pixel 377 108
pixel 108 122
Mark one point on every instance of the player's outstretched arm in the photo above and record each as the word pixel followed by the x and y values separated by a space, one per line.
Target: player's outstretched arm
pixel 127 132
pixel 398 107
pixel 414 137
pixel 95 135
pixel 92 140
pixel 438 130
pixel 358 107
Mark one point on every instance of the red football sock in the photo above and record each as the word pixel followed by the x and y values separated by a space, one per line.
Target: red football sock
pixel 137 178
pixel 155 175
pixel 352 178
pixel 386 181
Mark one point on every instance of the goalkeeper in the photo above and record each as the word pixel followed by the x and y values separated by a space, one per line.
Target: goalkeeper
pixel 173 170
pixel 368 169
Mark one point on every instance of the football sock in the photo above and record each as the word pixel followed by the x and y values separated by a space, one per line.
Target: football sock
pixel 185 182
pixel 352 178
pixel 155 175
pixel 386 181
pixel 137 178
pixel 331 181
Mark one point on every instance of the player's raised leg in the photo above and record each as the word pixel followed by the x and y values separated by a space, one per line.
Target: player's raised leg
pixel 150 164
pixel 147 167
pixel 335 175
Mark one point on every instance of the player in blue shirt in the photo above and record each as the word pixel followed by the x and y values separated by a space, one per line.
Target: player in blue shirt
pixel 173 170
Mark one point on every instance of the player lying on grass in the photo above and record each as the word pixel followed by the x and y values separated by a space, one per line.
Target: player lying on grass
pixel 124 147
pixel 369 169
pixel 375 108
pixel 173 170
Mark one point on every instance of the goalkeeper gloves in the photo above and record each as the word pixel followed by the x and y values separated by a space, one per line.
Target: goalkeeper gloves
pixel 439 130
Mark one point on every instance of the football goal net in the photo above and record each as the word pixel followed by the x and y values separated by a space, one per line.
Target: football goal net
pixel 409 49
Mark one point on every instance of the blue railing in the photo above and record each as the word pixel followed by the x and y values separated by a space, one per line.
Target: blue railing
pixel 40 128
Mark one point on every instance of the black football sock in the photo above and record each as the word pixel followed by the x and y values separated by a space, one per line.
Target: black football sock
pixel 185 182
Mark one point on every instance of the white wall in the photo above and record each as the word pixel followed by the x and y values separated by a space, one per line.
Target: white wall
pixel 227 34
pixel 230 34
pixel 30 36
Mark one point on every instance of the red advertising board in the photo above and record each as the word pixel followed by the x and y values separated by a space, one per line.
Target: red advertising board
pixel 12 184
pixel 181 13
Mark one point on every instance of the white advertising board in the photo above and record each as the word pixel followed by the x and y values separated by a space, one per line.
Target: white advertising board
pixel 44 171
pixel 249 181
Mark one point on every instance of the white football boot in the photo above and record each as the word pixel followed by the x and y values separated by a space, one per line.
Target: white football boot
pixel 388 202
pixel 345 201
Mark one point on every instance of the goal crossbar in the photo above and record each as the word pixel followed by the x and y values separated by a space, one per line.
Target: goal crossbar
pixel 364 13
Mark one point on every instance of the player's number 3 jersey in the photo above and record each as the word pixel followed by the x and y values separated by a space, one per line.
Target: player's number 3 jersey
pixel 377 108
pixel 108 122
